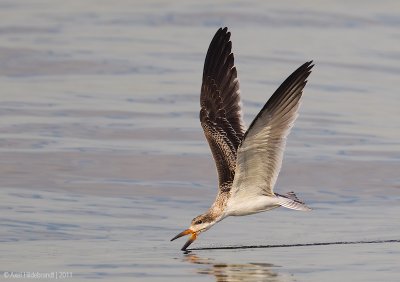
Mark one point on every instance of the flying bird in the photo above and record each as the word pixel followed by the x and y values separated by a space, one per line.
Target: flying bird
pixel 248 162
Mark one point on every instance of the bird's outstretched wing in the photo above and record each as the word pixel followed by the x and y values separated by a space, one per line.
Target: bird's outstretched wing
pixel 260 154
pixel 221 114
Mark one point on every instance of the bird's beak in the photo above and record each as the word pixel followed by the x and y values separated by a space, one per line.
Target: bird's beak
pixel 191 239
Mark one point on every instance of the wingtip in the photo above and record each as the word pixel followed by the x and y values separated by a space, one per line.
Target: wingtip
pixel 306 68
pixel 224 31
pixel 309 65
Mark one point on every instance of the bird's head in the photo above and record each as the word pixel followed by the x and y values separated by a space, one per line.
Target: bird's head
pixel 199 224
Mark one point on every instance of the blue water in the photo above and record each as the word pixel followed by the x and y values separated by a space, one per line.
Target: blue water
pixel 103 159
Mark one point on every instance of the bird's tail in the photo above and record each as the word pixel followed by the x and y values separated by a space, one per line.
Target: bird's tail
pixel 291 201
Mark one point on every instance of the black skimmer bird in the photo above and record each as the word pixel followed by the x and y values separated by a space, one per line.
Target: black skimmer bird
pixel 248 161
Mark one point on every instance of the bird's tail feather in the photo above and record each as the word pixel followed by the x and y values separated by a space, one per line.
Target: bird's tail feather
pixel 291 201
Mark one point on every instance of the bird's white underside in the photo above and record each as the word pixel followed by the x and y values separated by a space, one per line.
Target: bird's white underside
pixel 250 205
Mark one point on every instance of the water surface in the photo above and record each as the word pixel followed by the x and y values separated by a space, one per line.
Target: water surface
pixel 103 159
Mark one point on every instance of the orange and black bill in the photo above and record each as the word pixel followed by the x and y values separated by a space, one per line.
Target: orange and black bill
pixel 191 239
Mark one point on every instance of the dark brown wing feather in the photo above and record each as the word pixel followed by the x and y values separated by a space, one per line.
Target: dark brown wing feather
pixel 220 114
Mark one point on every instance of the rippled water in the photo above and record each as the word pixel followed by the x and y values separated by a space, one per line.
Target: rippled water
pixel 103 159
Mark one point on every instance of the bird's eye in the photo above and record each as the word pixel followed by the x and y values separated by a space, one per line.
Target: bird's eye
pixel 199 222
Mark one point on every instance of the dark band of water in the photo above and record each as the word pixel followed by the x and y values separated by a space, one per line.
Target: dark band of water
pixel 296 245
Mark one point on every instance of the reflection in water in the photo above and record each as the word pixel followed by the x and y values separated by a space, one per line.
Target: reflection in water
pixel 225 272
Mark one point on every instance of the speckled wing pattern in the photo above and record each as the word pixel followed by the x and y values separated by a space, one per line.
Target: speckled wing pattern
pixel 221 114
pixel 259 157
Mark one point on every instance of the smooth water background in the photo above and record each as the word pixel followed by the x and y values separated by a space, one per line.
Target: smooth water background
pixel 103 160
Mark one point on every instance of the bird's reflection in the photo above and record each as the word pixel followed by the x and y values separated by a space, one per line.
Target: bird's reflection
pixel 225 272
